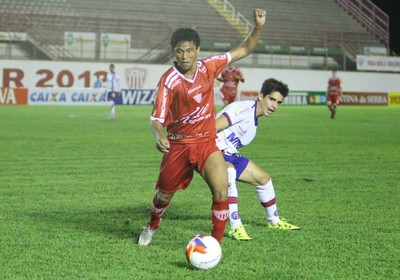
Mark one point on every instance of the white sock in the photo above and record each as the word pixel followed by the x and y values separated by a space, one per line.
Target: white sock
pixel 112 109
pixel 266 194
pixel 234 218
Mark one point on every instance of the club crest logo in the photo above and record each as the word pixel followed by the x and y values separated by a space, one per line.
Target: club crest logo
pixel 135 77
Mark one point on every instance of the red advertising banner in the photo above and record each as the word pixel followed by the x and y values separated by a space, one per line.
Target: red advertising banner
pixel 364 98
pixel 13 96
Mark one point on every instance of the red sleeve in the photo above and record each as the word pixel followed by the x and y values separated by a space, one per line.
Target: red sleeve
pixel 162 101
pixel 217 63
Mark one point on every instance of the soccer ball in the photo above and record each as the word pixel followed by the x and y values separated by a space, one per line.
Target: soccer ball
pixel 203 252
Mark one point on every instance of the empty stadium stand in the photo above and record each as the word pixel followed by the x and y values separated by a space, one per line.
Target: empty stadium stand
pixel 294 27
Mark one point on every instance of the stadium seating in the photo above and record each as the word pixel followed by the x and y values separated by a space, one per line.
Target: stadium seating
pixel 306 23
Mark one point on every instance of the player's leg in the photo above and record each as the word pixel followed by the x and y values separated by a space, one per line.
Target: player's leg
pixel 330 104
pixel 161 202
pixel 254 175
pixel 215 174
pixel 235 166
pixel 231 98
pixel 225 97
pixel 111 103
pixel 234 218
pixel 335 102
pixel 175 174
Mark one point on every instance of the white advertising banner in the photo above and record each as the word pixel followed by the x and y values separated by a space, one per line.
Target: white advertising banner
pixel 14 36
pixel 81 44
pixel 61 74
pixel 116 44
pixel 375 51
pixel 79 39
pixel 378 63
pixel 67 74
pixel 67 96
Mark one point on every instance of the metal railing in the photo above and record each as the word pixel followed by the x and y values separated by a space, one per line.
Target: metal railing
pixel 370 15
pixel 239 17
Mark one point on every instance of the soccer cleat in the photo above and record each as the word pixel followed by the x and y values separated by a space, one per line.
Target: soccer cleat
pixel 283 224
pixel 146 236
pixel 239 233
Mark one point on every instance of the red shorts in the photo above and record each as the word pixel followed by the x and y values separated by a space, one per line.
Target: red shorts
pixel 332 99
pixel 229 95
pixel 177 166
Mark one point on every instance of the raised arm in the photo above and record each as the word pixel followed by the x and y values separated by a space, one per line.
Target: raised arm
pixel 248 45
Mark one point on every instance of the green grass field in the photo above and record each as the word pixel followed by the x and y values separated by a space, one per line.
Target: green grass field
pixel 76 188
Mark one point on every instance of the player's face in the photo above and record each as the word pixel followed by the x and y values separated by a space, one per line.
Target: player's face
pixel 269 103
pixel 186 56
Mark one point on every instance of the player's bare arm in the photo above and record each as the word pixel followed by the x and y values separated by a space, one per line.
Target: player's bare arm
pixel 162 142
pixel 248 45
pixel 222 123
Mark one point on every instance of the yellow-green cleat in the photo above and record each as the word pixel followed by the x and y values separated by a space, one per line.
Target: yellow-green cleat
pixel 284 225
pixel 239 233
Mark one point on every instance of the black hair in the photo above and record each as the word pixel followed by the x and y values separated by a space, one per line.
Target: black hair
pixel 185 35
pixel 271 85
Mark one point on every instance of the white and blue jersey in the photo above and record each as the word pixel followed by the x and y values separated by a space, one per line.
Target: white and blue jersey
pixel 243 122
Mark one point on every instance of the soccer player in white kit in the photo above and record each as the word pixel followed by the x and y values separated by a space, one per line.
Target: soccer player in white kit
pixel 237 127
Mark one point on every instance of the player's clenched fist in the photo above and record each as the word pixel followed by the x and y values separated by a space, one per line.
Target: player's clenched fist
pixel 259 17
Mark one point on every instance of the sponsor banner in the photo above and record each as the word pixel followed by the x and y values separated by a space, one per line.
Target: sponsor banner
pixel 137 97
pixel 12 36
pixel 364 98
pixel 116 45
pixel 375 51
pixel 13 96
pixel 59 96
pixel 79 39
pixel 394 99
pixel 59 74
pixel 80 44
pixel 70 96
pixel 378 63
pixel 316 98
pixel 296 98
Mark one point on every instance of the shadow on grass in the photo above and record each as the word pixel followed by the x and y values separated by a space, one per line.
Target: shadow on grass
pixel 122 222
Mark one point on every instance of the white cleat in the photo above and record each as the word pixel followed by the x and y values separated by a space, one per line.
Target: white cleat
pixel 146 236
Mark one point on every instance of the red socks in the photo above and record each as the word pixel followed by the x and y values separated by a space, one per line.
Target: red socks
pixel 219 217
pixel 156 211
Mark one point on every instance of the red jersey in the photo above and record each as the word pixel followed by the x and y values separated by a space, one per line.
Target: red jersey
pixel 230 80
pixel 186 106
pixel 334 86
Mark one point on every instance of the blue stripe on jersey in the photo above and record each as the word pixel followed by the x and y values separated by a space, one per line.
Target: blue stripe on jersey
pixel 228 118
pixel 255 114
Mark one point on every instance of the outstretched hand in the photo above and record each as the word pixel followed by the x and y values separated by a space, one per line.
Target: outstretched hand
pixel 259 16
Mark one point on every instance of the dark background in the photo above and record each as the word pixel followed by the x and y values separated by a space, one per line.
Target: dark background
pixel 392 9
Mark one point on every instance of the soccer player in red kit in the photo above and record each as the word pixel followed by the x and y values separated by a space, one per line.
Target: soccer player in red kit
pixel 184 104
pixel 230 77
pixel 333 93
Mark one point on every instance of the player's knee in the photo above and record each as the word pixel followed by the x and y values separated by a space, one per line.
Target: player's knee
pixel 220 193
pixel 264 178
pixel 164 197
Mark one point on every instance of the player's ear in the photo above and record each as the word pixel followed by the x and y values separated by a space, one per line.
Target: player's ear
pixel 260 96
